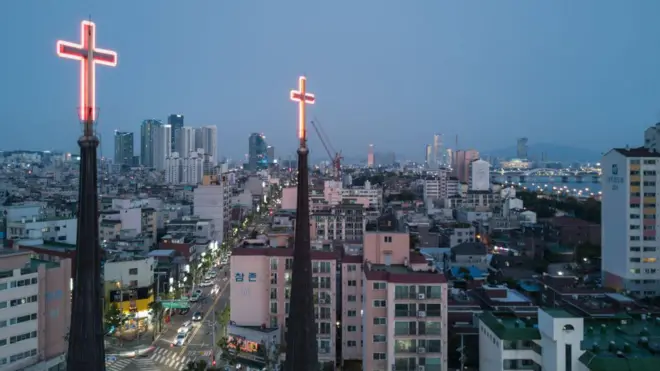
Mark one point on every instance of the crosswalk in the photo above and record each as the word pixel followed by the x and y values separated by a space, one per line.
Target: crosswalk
pixel 117 365
pixel 146 364
pixel 160 356
pixel 170 358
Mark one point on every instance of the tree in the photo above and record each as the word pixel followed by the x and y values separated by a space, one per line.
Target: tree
pixel 156 308
pixel 113 316
pixel 200 365
pixel 464 273
pixel 223 318
pixel 270 354
pixel 231 349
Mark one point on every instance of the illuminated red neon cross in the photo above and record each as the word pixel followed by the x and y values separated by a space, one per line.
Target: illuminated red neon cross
pixel 88 55
pixel 302 97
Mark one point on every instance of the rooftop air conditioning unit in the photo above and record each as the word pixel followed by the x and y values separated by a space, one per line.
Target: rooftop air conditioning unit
pixel 421 296
pixel 421 350
pixel 421 314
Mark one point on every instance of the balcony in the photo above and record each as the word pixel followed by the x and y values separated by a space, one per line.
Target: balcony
pixel 406 296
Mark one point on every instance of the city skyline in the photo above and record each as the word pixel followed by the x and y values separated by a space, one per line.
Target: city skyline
pixel 213 89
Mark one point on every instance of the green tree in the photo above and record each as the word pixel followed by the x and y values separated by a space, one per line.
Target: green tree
pixel 230 349
pixel 156 310
pixel 113 316
pixel 223 319
pixel 270 353
pixel 464 273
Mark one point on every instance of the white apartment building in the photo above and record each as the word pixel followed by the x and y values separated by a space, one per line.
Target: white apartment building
pixel 173 169
pixel 35 312
pixel 435 189
pixel 630 246
pixel 212 201
pixel 46 229
pixel 186 140
pixel 162 145
pixel 479 175
pixel 373 195
pixel 206 138
pixel 507 343
pixel 130 272
pixel 558 340
pixel 184 170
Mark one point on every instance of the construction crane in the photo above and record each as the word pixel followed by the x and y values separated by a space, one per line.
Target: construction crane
pixel 337 157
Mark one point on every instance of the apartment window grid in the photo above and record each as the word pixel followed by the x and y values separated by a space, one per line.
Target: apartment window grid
pixel 321 267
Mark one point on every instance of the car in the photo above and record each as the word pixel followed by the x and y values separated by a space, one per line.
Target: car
pixel 198 292
pixel 195 297
pixel 212 274
pixel 206 283
pixel 197 316
pixel 180 338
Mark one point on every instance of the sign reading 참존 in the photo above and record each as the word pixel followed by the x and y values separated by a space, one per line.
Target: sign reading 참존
pixel 240 277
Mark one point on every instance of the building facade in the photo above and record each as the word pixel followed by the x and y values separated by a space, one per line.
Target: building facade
pixel 630 248
pixel 176 123
pixel 35 312
pixel 123 148
pixel 258 152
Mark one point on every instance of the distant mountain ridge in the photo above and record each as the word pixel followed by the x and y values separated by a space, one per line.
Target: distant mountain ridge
pixel 549 152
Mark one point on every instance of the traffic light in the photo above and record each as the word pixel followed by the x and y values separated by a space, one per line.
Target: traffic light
pixel 213 360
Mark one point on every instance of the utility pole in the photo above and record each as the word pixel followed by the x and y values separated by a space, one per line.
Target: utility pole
pixel 461 350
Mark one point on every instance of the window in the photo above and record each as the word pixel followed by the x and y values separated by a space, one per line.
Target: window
pixel 21 319
pixel 352 313
pixel 351 328
pixel 649 260
pixel 351 343
pixel 273 263
pixel 380 321
pixel 25 336
pixel 288 264
pixel 380 285
pixel 352 298
pixel 320 267
pixel 380 303
pixel 380 356
pixel 352 283
pixel 379 338
pixel 25 300
pixel 387 239
pixel 635 260
pixel 3 286
pixel 273 307
pixel 133 271
pixel 351 268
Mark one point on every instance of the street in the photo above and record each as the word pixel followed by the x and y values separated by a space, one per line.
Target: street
pixel 199 344
pixel 165 356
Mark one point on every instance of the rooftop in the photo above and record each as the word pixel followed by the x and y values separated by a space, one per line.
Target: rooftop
pixel 637 152
pixel 398 273
pixel 510 327
pixel 629 344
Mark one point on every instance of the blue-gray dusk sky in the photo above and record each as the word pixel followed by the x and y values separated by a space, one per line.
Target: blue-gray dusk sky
pixel 387 72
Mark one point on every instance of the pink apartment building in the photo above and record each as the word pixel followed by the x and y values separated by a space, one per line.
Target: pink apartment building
pixel 260 292
pixel 393 304
pixel 35 311
pixel 394 307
